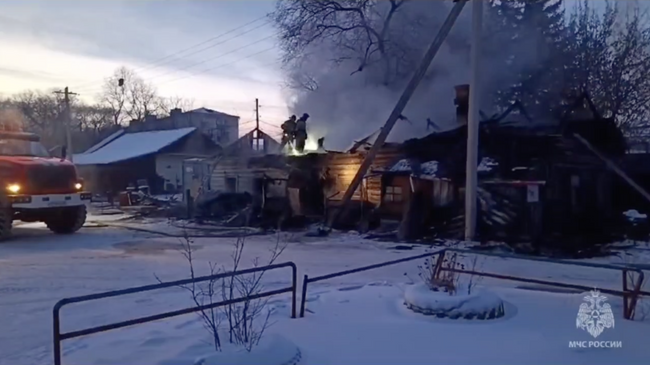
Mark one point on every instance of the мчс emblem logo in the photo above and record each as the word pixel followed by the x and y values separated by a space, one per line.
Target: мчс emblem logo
pixel 595 315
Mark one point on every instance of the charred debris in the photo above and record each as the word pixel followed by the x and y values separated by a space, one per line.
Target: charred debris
pixel 543 185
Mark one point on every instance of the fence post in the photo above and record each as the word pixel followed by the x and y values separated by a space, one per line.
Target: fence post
pixel 57 335
pixel 294 289
pixel 190 203
pixel 303 299
pixel 636 292
pixel 626 307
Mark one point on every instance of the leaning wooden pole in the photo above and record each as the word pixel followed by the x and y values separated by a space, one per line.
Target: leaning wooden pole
pixel 612 166
pixel 399 107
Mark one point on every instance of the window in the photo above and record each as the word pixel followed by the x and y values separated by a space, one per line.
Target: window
pixel 258 143
pixel 393 194
pixel 231 184
pixel 19 147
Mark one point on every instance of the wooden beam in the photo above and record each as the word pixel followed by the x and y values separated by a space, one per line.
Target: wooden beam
pixel 400 106
pixel 611 165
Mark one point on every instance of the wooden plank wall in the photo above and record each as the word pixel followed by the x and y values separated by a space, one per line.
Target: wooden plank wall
pixel 386 157
pixel 237 167
pixel 341 167
pixel 344 166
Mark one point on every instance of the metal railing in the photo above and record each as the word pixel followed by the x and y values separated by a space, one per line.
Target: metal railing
pixel 60 337
pixel 630 297
pixel 308 280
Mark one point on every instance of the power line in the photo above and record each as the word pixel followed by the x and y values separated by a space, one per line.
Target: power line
pixel 217 57
pixel 206 60
pixel 158 63
pixel 218 66
pixel 270 125
pixel 216 44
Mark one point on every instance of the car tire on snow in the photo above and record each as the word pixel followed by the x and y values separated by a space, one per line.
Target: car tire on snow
pixel 68 221
pixel 6 220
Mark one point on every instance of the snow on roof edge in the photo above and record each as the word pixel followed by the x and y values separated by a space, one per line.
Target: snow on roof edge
pixel 132 145
pixel 106 141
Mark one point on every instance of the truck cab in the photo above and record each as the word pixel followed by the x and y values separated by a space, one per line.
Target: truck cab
pixel 37 187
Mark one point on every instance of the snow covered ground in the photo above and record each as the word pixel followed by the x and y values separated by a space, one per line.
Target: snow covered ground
pixel 370 325
pixel 367 324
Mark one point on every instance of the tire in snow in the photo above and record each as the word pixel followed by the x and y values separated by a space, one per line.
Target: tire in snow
pixel 68 221
pixel 6 220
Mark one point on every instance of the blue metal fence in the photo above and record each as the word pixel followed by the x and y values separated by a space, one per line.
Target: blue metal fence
pixel 60 337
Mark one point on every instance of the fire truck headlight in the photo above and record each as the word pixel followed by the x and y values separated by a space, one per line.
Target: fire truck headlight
pixel 78 186
pixel 13 188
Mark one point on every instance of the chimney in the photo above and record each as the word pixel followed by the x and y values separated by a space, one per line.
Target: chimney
pixel 462 103
pixel 174 112
pixel 135 125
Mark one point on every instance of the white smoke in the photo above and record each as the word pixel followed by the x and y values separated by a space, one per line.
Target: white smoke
pixel 349 105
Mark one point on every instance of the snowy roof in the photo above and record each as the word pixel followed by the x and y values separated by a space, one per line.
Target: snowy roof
pixel 427 169
pixel 106 141
pixel 486 164
pixel 132 145
pixel 210 111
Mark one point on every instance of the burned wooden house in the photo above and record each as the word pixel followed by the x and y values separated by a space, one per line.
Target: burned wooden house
pixel 231 171
pixel 315 182
pixel 538 182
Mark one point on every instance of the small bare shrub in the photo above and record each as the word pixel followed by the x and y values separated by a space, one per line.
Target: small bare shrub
pixel 448 280
pixel 243 318
pixel 247 320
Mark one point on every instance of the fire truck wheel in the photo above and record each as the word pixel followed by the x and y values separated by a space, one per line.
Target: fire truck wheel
pixel 6 219
pixel 68 222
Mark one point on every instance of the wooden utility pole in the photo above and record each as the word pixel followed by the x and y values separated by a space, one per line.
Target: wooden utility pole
pixel 68 120
pixel 399 108
pixel 471 177
pixel 257 115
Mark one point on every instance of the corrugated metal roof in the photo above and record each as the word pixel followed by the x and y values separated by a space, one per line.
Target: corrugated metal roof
pixel 132 145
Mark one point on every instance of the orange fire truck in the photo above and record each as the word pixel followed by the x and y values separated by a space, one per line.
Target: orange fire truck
pixel 36 187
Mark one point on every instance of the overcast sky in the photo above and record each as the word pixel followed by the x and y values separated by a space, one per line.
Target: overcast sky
pixel 58 43
pixel 53 44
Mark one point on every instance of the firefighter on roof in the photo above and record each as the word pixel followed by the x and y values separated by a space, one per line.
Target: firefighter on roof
pixel 301 133
pixel 288 130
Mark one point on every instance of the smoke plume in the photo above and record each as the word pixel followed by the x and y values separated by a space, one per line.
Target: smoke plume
pixel 346 104
pixel 11 120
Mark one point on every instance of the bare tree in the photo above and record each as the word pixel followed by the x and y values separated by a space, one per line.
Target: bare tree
pixel 39 109
pixel 142 97
pixel 42 114
pixel 166 104
pixel 129 96
pixel 92 117
pixel 358 29
pixel 114 93
pixel 608 55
